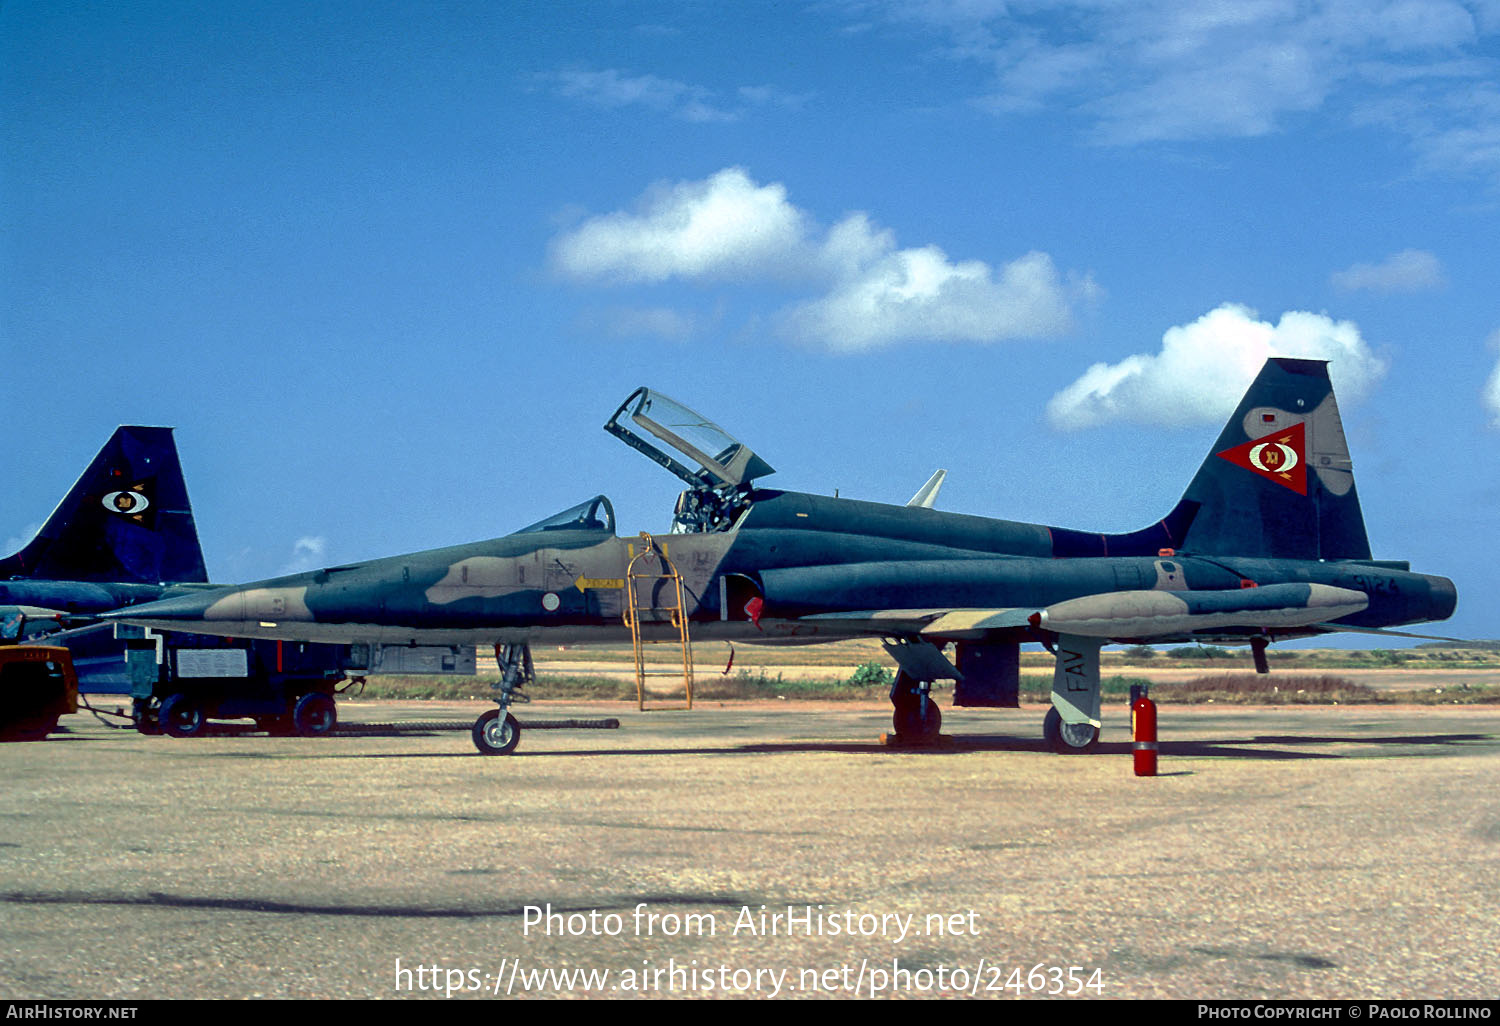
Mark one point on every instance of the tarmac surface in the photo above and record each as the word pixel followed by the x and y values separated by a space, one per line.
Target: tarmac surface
pixel 1309 852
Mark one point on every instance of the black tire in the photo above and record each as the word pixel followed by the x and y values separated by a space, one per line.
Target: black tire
pixel 492 737
pixel 180 716
pixel 315 715
pixel 1069 739
pixel 916 716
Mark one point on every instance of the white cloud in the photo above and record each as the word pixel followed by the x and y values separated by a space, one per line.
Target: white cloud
pixel 307 554
pixel 613 89
pixel 770 96
pixel 1492 387
pixel 722 227
pixel 1411 270
pixel 919 294
pixel 1183 69
pixel 728 228
pixel 1204 368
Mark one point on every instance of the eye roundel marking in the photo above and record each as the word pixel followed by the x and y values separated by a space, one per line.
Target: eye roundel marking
pixel 1273 457
pixel 550 602
pixel 126 502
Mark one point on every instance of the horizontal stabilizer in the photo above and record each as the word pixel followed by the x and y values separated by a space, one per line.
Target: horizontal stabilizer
pixel 1387 632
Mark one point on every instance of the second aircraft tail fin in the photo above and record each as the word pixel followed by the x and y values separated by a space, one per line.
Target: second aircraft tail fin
pixel 127 519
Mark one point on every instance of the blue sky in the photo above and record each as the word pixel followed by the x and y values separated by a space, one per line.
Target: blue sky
pixel 387 267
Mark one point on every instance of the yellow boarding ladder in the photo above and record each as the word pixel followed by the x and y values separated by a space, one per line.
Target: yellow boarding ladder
pixel 637 608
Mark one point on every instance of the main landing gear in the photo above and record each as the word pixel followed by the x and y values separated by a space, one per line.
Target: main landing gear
pixel 1072 724
pixel 916 717
pixel 496 732
pixel 1068 738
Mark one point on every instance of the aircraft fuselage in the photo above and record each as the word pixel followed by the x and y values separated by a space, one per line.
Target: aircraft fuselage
pixel 808 558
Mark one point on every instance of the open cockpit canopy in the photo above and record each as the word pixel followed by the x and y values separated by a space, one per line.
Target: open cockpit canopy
pixel 719 488
pixel 723 460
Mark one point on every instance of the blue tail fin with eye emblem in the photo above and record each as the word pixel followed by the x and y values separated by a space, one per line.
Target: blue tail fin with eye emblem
pixel 127 519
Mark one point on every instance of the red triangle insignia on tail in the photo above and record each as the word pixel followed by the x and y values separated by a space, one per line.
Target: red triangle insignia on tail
pixel 1280 456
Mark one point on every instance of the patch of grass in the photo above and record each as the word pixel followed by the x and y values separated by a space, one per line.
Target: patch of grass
pixel 743 685
pixel 1327 689
pixel 762 685
pixel 450 688
pixel 872 674
pixel 1038 688
pixel 1477 694
pixel 1251 688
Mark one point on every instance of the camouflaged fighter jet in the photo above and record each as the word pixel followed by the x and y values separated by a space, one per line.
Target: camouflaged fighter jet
pixel 1268 543
pixel 124 533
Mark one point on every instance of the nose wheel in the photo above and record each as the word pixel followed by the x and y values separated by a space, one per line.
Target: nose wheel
pixel 496 735
pixel 496 732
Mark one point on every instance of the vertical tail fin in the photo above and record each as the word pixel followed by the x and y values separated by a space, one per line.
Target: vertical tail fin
pixel 127 519
pixel 1279 482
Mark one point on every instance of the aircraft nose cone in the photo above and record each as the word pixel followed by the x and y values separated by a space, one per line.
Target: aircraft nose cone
pixel 180 607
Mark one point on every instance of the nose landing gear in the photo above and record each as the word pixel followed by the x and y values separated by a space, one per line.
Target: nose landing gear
pixel 496 732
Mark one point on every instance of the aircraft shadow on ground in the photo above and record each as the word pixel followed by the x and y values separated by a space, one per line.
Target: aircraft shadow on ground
pixel 1275 747
pixel 162 900
pixel 1238 748
pixel 1235 748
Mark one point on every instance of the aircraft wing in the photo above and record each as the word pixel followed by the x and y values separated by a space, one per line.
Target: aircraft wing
pixel 947 624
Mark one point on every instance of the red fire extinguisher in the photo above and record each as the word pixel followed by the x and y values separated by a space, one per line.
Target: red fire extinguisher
pixel 1143 733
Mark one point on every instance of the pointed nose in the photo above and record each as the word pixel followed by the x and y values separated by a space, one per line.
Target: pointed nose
pixel 177 608
pixel 224 605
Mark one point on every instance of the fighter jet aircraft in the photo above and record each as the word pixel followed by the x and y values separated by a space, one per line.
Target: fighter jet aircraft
pixel 124 533
pixel 1268 543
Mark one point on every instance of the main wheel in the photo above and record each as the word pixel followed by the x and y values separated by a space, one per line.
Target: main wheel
pixel 494 736
pixel 180 716
pixel 314 715
pixel 1068 738
pixel 916 716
